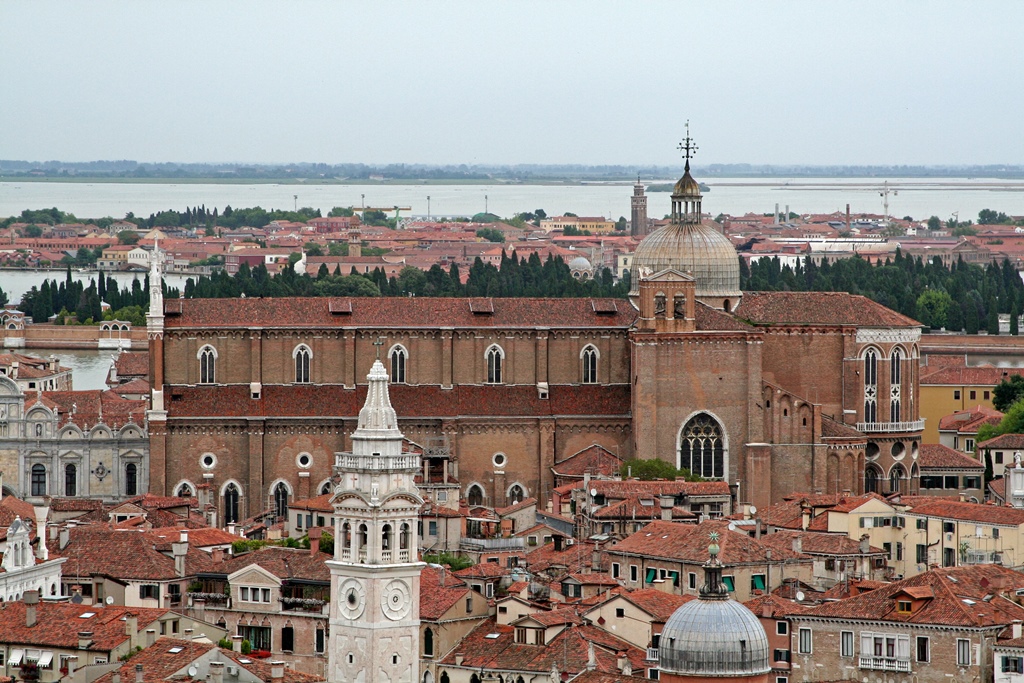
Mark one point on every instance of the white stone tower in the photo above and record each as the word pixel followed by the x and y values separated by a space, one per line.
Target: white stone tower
pixel 375 574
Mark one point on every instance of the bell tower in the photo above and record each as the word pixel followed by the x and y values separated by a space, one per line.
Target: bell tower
pixel 375 573
pixel 638 203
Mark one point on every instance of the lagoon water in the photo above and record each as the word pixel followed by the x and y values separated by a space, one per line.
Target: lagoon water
pixel 916 197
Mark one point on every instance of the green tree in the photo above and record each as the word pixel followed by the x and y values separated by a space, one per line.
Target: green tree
pixel 1014 319
pixel 934 223
pixel 992 319
pixel 1012 423
pixel 341 211
pixel 32 231
pixel 1008 392
pixel 647 470
pixel 127 237
pixel 933 308
pixel 491 234
pixel 313 249
pixel 455 562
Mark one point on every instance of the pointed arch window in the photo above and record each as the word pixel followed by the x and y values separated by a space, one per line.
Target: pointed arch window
pixel 398 356
pixel 702 447
pixel 70 480
pixel 207 365
pixel 895 388
pixel 131 479
pixel 589 359
pixel 281 499
pixel 871 386
pixel 475 495
pixel 495 359
pixel 326 488
pixel 38 480
pixel 231 498
pixel 303 356
pixel 871 479
pixel 184 491
pixel 897 475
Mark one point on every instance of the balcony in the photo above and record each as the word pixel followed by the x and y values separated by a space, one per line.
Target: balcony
pixel 652 654
pixel 890 427
pixel 310 605
pixel 493 543
pixel 885 664
pixel 376 463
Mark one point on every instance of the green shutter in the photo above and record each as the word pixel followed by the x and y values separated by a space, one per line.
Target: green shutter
pixel 729 585
pixel 651 573
pixel 759 581
pixel 675 578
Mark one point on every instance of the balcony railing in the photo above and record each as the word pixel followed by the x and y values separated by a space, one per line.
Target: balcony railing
pixel 885 664
pixel 890 427
pixel 652 654
pixel 349 461
pixel 493 543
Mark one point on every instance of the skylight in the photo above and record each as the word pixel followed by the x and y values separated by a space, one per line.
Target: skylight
pixel 492 636
pixel 86 615
pixel 175 650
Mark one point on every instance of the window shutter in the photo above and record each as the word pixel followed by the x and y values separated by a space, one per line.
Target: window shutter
pixel 903 647
pixel 866 649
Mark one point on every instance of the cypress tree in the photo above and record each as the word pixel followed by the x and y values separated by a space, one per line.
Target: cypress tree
pixel 992 324
pixel 971 318
pixel 1014 315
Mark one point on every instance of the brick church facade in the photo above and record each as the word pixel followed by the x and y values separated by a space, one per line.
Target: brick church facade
pixel 774 391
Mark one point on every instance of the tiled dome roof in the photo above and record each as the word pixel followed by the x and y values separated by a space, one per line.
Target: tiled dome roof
pixel 713 638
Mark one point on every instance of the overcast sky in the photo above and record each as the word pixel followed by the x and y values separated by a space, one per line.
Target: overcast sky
pixel 513 82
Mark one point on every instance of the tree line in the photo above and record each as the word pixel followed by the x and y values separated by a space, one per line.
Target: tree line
pixel 961 297
pixel 69 297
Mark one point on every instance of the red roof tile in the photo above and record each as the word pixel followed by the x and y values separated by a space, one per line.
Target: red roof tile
pixel 818 308
pixel 968 421
pixel 934 456
pixel 982 375
pixel 58 624
pixel 594 459
pixel 689 543
pixel 284 563
pixel 436 599
pixel 1010 442
pixel 968 512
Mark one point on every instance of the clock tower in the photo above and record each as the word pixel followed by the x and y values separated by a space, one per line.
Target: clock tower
pixel 375 573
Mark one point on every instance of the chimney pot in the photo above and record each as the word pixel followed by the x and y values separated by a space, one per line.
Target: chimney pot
pixel 65 538
pixel 138 673
pixel 236 643
pixel 131 628
pixel 84 639
pixel 276 670
pixel 116 678
pixel 150 636
pixel 72 662
pixel 31 600
pixel 798 544
pixel 1016 628
pixel 216 672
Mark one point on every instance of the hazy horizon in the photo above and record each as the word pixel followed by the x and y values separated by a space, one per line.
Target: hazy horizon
pixel 593 83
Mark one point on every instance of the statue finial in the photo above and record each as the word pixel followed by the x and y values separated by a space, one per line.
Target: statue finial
pixel 687 146
pixel 379 343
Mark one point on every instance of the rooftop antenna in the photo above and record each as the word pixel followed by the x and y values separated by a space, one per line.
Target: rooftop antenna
pixel 884 194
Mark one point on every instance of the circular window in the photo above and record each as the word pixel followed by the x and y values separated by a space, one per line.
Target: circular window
pixel 304 460
pixel 499 459
pixel 898 450
pixel 872 451
pixel 208 461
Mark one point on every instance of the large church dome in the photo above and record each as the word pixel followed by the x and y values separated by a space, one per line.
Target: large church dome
pixel 690 247
pixel 713 636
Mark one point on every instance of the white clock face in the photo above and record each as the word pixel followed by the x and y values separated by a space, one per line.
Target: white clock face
pixel 353 599
pixel 396 600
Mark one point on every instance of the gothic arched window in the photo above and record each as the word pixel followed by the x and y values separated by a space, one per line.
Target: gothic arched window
pixel 38 480
pixel 281 499
pixel 428 643
pixel 131 479
pixel 897 475
pixel 207 365
pixel 516 494
pixel 589 358
pixel 871 386
pixel 871 479
pixel 70 480
pixel 326 488
pixel 895 380
pixel 702 447
pixel 475 495
pixel 231 496
pixel 495 358
pixel 398 357
pixel 302 358
pixel 184 491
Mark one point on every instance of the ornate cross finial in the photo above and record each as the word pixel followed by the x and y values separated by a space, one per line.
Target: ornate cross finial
pixel 687 146
pixel 379 343
pixel 714 536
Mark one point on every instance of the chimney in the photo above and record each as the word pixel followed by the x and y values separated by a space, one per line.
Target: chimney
pixel 1016 628
pixel 150 636
pixel 277 670
pixel 65 538
pixel 621 660
pixel 84 639
pixel 459 657
pixel 236 643
pixel 595 559
pixel 776 213
pixel 805 516
pixel 217 555
pixel 666 507
pixel 71 662
pixel 314 541
pixel 54 530
pixel 116 678
pixel 848 217
pixel 138 673
pixel 798 544
pixel 131 629
pixel 179 550
pixel 865 544
pixel 231 528
pixel 31 600
pixel 216 672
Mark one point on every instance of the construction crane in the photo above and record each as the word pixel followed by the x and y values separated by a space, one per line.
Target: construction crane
pixel 383 209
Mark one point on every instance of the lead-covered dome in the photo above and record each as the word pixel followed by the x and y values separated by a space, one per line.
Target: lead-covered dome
pixel 686 245
pixel 713 638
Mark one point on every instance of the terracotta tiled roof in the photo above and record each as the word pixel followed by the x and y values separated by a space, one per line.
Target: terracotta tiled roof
pixel 409 401
pixel 1011 442
pixel 573 557
pixel 634 507
pixel 122 555
pixel 818 308
pixel 959 599
pixel 158 662
pixel 689 543
pixel 75 504
pixel 484 570
pixel 88 408
pixel 515 507
pixel 985 376
pixel 11 507
pixel 132 364
pixel 998 488
pixel 262 669
pixel 594 459
pixel 773 606
pixel 284 563
pixel 135 386
pixel 816 543
pixel 788 512
pixel 619 490
pixel 968 421
pixel 659 604
pixel 436 599
pixel 831 429
pixel 967 512
pixel 491 646
pixel 937 456
pixel 200 538
pixel 710 319
pixel 321 503
pixel 58 624
pixel 396 312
